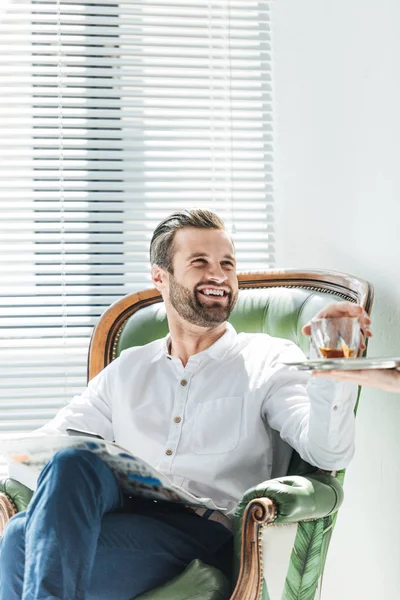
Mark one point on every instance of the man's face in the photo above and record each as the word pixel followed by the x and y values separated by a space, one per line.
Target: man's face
pixel 204 287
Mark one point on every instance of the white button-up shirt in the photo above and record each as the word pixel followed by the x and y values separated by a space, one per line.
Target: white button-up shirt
pixel 225 421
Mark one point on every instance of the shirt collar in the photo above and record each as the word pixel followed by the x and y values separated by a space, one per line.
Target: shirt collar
pixel 223 344
pixel 217 350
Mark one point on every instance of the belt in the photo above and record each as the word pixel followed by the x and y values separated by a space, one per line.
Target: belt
pixel 213 515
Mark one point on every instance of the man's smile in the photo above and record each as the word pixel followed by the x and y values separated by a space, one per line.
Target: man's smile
pixel 213 294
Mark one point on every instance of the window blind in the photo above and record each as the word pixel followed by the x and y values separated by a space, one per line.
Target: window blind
pixel 113 115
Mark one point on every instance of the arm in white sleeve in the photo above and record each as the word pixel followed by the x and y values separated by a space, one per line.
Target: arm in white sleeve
pixel 315 416
pixel 91 411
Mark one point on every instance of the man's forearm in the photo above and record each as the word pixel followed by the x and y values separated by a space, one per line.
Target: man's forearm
pixel 315 416
pixel 331 427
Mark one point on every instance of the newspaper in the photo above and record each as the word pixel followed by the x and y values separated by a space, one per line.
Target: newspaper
pixel 134 475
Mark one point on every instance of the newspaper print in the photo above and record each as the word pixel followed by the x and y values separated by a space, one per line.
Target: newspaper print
pixel 134 475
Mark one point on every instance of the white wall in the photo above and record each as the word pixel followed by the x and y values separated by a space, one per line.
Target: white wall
pixel 337 178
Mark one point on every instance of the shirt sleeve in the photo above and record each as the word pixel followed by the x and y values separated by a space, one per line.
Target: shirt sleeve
pixel 91 411
pixel 315 416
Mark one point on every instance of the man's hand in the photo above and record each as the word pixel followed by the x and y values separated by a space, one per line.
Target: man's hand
pixel 383 379
pixel 345 309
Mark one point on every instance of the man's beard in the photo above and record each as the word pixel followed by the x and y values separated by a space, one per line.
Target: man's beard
pixel 190 307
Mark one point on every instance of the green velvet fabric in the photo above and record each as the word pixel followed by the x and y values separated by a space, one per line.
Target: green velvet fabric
pixel 197 582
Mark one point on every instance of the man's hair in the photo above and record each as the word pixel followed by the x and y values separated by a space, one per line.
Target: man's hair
pixel 162 242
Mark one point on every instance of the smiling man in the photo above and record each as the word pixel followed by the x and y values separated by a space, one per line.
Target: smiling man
pixel 215 411
pixel 194 268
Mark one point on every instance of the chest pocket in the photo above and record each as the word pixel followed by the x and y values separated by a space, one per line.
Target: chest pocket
pixel 217 425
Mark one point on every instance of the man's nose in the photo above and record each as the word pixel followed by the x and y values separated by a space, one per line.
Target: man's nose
pixel 216 273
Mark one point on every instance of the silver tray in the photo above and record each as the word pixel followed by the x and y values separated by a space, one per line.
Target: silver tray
pixel 346 364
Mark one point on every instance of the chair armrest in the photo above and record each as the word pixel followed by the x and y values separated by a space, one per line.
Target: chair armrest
pixel 289 499
pixel 14 497
pixel 297 497
pixel 18 493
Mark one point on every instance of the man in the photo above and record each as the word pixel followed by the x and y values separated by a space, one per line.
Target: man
pixel 215 411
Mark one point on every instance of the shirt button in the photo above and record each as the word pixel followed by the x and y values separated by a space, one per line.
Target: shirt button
pixel 183 382
pixel 168 452
pixel 177 419
pixel 335 407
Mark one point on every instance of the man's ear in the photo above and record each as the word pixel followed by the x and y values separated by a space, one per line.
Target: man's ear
pixel 159 277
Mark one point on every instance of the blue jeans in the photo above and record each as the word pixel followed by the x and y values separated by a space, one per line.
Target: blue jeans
pixel 80 539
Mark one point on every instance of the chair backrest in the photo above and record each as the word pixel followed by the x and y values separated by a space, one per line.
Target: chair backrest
pixel 278 302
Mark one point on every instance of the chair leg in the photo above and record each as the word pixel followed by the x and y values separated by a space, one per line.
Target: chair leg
pixel 7 510
pixel 259 512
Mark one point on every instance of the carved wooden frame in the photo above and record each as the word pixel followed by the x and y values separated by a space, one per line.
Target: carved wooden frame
pixel 7 510
pixel 259 512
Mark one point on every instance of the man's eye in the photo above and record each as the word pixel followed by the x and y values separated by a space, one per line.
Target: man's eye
pixel 228 263
pixel 199 261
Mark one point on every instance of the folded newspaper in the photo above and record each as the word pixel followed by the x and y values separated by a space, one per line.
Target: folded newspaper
pixel 134 475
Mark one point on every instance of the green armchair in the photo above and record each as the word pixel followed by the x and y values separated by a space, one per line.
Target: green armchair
pixel 282 526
